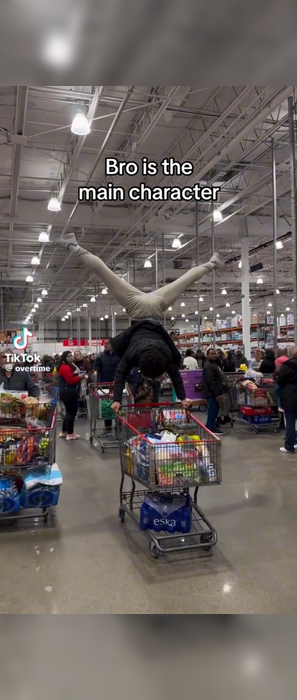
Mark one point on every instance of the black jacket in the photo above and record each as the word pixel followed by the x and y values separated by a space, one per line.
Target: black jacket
pixel 213 379
pixel 267 366
pixel 19 381
pixel 106 365
pixel 287 380
pixel 130 344
pixel 229 366
pixel 240 361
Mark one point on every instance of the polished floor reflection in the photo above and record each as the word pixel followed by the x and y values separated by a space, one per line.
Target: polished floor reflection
pixel 90 563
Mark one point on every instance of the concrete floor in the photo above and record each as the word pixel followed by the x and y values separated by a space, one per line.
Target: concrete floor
pixel 90 563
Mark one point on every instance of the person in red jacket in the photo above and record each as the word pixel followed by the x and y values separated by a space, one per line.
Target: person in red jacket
pixel 69 382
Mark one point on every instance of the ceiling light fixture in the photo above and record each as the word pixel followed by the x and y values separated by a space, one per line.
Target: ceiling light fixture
pixel 36 306
pixel 282 315
pixel 39 299
pixel 29 278
pixel 183 303
pixel 43 237
pixel 78 308
pixel 147 263
pixel 277 291
pixel 187 320
pixel 224 291
pixel 85 306
pixel 270 304
pixel 234 312
pixel 80 125
pixel 44 293
pixel 279 245
pixel 104 291
pixel 33 311
pixel 176 243
pixel 169 308
pixel 54 204
pixel 35 260
pixel 172 318
pixel 63 319
pixel 205 318
pixel 201 299
pixel 58 50
pixel 259 280
pixel 93 299
pixel 101 318
pixel 240 264
pixel 183 316
pixel 217 216
pixel 227 305
pixel 106 316
pixel 211 308
pixel 124 310
pixel 288 308
pixel 218 315
pixel 293 300
pixel 196 312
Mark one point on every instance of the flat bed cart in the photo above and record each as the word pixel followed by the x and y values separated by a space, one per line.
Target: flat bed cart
pixel 101 398
pixel 26 450
pixel 255 408
pixel 197 463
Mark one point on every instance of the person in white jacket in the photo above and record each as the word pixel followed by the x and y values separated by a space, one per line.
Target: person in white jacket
pixel 189 361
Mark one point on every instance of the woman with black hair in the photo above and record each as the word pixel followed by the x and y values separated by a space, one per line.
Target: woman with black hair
pixel 267 365
pixel 69 382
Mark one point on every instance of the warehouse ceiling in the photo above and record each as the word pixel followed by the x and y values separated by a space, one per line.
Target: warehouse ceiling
pixel 225 132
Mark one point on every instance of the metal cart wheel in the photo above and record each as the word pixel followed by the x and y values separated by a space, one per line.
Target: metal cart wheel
pixel 46 514
pixel 202 408
pixel 122 514
pixel 154 552
pixel 208 537
pixel 91 439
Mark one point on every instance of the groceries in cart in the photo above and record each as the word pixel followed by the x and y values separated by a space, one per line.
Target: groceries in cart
pixel 176 460
pixel 171 512
pixel 33 489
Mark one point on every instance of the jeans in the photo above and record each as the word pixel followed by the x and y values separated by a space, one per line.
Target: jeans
pixel 291 417
pixel 212 414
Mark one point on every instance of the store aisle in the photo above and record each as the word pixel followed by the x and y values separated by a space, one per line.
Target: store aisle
pixel 90 563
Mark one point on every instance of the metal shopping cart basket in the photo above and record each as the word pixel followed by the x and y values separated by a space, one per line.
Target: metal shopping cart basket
pixel 27 452
pixel 105 435
pixel 257 408
pixel 164 509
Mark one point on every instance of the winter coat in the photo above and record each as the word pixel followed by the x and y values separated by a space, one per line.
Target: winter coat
pixel 287 381
pixel 240 361
pixel 106 365
pixel 213 380
pixel 229 366
pixel 130 344
pixel 19 381
pixel 68 381
pixel 267 366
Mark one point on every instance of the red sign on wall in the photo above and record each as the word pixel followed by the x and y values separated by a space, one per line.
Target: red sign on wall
pixel 73 342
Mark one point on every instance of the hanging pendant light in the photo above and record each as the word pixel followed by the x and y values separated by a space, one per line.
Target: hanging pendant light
pixel 54 204
pixel 80 125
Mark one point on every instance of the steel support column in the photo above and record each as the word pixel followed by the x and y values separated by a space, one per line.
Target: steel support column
pixel 274 226
pixel 292 131
pixel 213 280
pixel 245 293
pixel 197 263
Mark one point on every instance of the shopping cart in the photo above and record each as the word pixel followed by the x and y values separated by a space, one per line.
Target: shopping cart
pixel 101 399
pixel 255 407
pixel 52 389
pixel 167 471
pixel 27 453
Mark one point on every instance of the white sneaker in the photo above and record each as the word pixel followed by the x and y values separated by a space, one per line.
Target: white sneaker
pixel 67 240
pixel 217 260
pixel 283 449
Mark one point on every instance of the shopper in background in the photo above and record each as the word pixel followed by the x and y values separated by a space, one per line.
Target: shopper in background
pixel 92 358
pixel 282 356
pixel 214 390
pixel 82 362
pixel 229 365
pixel 257 359
pixel 220 358
pixel 69 384
pixel 200 357
pixel 287 381
pixel 14 380
pixel 106 365
pixel 189 361
pixel 240 359
pixel 267 365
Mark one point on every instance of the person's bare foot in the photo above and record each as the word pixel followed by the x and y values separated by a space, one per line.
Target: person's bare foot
pixel 67 241
pixel 217 260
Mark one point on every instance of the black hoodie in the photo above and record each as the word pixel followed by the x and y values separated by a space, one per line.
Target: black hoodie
pixel 131 343
pixel 287 380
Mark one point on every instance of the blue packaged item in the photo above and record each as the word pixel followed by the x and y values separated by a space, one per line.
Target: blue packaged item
pixel 9 496
pixel 256 420
pixel 169 512
pixel 40 496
